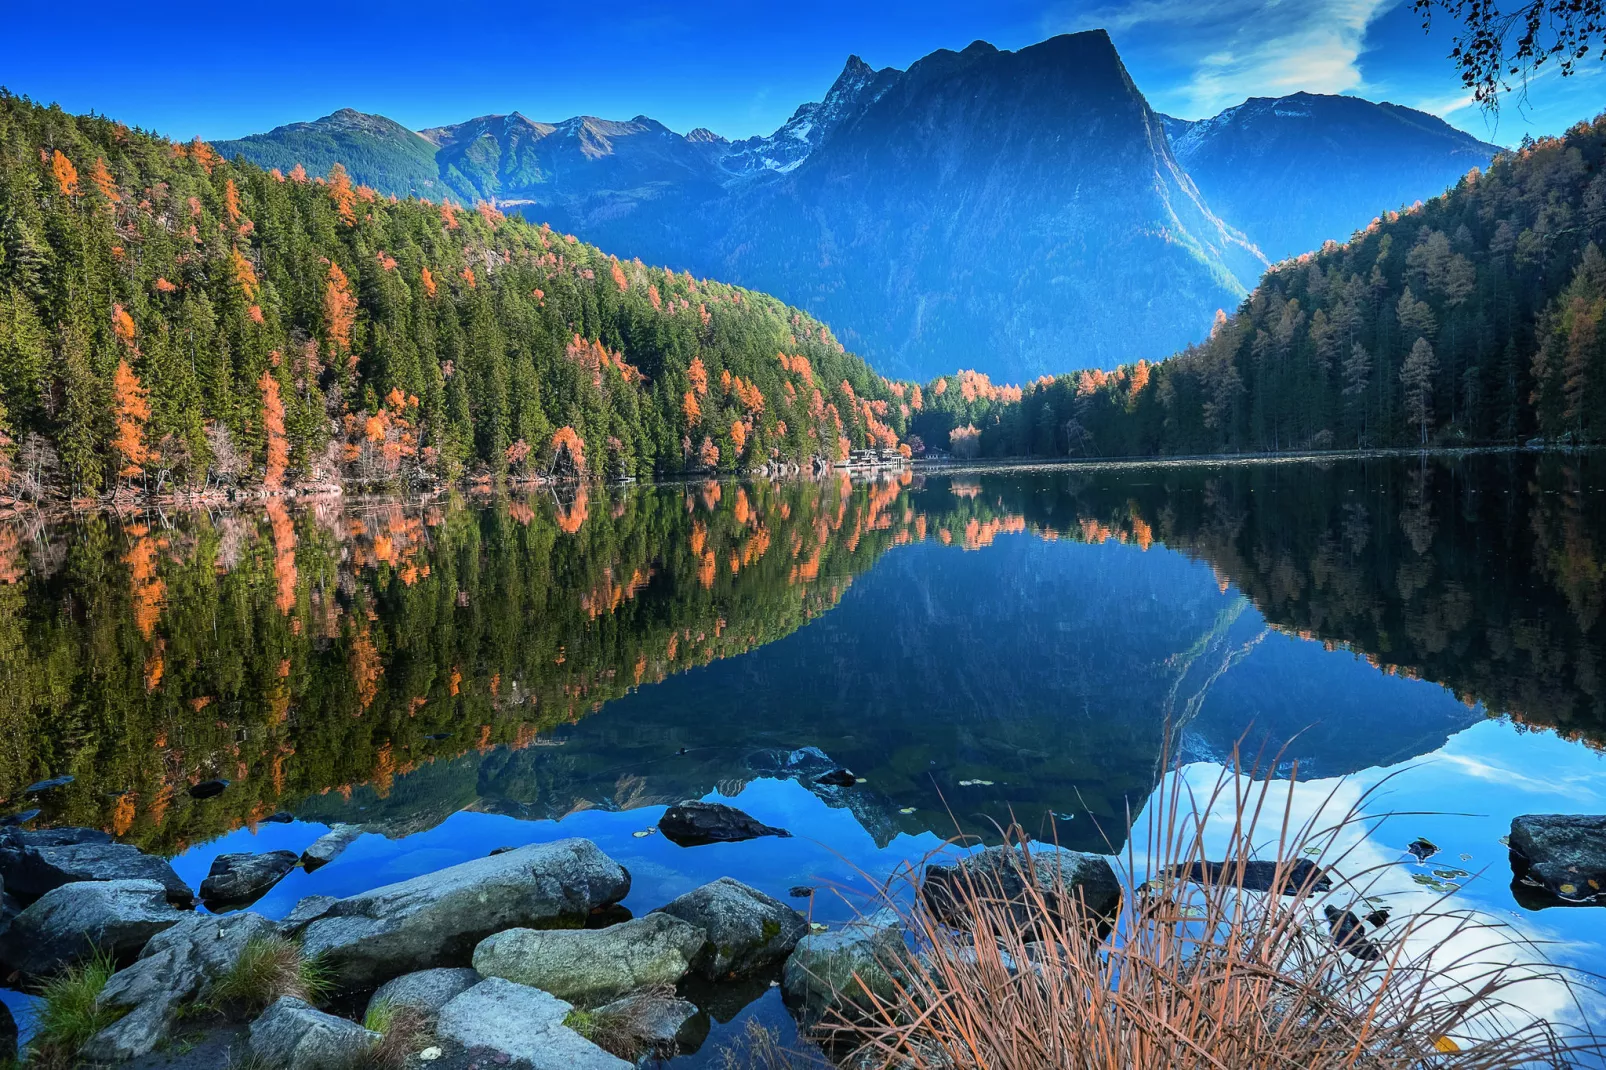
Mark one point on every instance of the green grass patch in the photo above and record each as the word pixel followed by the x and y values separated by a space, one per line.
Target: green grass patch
pixel 69 1014
pixel 268 968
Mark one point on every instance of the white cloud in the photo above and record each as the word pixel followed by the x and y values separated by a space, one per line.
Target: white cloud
pixel 1234 49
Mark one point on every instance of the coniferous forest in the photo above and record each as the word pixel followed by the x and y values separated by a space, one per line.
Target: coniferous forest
pixel 173 320
pixel 1478 317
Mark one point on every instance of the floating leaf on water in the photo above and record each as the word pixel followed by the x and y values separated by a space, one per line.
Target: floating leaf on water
pixel 643 833
pixel 861 779
pixel 1064 817
pixel 985 783
pixel 1374 901
pixel 966 783
pixel 1313 850
pixel 1427 880
pixel 1450 874
pixel 818 927
pixel 1466 858
pixel 1568 889
pixel 1445 1044
pixel 906 810
pixel 1505 841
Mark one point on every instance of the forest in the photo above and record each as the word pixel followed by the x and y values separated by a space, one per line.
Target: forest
pixel 1478 317
pixel 171 321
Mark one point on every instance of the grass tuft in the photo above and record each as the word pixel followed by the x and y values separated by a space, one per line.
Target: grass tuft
pixel 761 1048
pixel 1201 976
pixel 69 1013
pixel 622 1033
pixel 403 1030
pixel 270 967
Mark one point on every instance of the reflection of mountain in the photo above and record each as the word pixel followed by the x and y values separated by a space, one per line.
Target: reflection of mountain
pixel 394 665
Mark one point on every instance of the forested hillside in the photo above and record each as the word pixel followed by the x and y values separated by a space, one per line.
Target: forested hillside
pixel 1478 317
pixel 171 318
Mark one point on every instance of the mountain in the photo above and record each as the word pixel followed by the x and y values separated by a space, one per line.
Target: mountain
pixel 377 151
pixel 1293 172
pixel 1016 212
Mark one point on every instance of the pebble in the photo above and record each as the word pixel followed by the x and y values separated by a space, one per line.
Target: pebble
pixel 429 1055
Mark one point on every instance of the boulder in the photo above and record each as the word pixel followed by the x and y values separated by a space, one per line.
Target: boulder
pixel 1565 854
pixel 305 912
pixel 292 1035
pixel 71 922
pixel 1299 877
pixel 208 789
pixel 437 919
pixel 242 878
pixel 174 970
pixel 327 848
pixel 32 863
pixel 1349 935
pixel 1065 880
pixel 747 930
pixel 592 964
pixel 426 991
pixel 522 1023
pixel 692 824
pixel 831 971
pixel 658 1025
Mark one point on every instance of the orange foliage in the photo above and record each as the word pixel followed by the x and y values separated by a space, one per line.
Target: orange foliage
pixel 619 278
pixel 133 410
pixel 708 454
pixel 429 282
pixel 468 277
pixel 567 440
pixel 449 215
pixel 339 310
pixel 231 201
pixel 245 275
pixel 104 182
pixel 365 668
pixel 689 406
pixel 147 590
pixel 571 520
pixel 278 446
pixel 164 287
pixel 123 326
pixel 343 195
pixel 66 174
pixel 739 436
pixel 697 375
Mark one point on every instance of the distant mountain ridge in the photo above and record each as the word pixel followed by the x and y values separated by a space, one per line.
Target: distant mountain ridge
pixel 1018 212
pixel 1296 171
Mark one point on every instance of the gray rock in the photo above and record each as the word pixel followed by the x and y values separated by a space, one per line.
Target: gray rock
pixel 832 970
pixel 1299 877
pixel 32 863
pixel 437 919
pixel 296 1036
pixel 523 1023
pixel 304 913
pixel 1065 880
pixel 692 824
pixel 175 969
pixel 327 848
pixel 663 1026
pixel 591 964
pixel 747 930
pixel 241 878
pixel 1564 853
pixel 71 922
pixel 426 990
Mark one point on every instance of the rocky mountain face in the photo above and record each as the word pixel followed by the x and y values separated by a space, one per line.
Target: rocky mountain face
pixel 1015 212
pixel 1293 172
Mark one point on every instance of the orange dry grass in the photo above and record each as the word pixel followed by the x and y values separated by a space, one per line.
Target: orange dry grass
pixel 1189 976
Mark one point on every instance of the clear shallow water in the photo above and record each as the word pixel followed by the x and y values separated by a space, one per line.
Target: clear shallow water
pixel 467 675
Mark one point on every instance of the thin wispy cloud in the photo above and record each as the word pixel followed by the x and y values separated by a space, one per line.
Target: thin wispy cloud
pixel 1236 49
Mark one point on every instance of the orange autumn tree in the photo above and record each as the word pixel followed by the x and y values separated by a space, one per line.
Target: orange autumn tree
pixel 426 278
pixel 342 193
pixel 102 178
pixel 133 411
pixel 278 446
pixel 66 174
pixel 567 441
pixel 231 201
pixel 697 374
pixel 339 311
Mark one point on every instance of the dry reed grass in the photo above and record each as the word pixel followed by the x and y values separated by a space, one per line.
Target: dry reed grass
pixel 1201 976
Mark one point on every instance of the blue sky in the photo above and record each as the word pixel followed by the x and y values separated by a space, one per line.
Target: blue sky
pixel 222 70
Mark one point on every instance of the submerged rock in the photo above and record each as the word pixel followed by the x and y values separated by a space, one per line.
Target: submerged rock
pixel 747 930
pixel 241 878
pixel 1300 877
pixel 833 971
pixel 1066 880
pixel 692 824
pixel 72 922
pixel 296 1036
pixel 590 964
pixel 437 919
pixel 174 970
pixel 425 991
pixel 208 789
pixel 1349 935
pixel 328 847
pixel 32 863
pixel 1564 854
pixel 837 778
pixel 522 1023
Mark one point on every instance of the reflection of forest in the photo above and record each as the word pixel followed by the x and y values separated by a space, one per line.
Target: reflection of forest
pixel 321 651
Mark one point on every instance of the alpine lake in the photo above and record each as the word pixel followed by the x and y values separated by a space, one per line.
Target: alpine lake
pixel 1038 645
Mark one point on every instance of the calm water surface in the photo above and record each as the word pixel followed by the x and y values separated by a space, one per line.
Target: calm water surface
pixel 465 674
